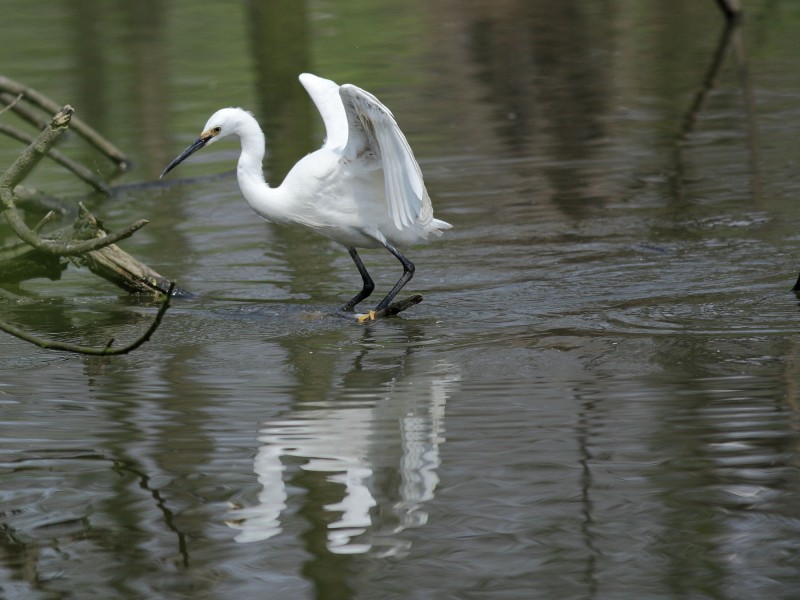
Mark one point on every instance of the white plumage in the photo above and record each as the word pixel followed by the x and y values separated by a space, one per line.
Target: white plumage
pixel 363 188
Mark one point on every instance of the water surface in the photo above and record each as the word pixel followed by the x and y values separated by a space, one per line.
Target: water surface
pixel 598 397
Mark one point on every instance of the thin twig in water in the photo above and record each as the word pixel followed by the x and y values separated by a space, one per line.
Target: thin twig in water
pixel 12 104
pixel 106 350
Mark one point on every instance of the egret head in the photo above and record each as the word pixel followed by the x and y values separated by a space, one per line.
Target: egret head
pixel 223 123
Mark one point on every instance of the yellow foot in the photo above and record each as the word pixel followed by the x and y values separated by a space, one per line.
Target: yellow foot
pixel 370 316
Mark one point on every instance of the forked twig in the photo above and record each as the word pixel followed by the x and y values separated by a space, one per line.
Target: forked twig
pixel 29 158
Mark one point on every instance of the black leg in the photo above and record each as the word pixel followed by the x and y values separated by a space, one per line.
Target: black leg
pixel 368 283
pixel 408 273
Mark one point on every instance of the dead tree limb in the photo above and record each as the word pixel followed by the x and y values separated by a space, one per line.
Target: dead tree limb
pixel 10 101
pixel 106 350
pixel 31 200
pixel 113 264
pixel 23 110
pixel 78 169
pixel 47 255
pixel 29 158
pixel 47 246
pixel 23 261
pixel 13 88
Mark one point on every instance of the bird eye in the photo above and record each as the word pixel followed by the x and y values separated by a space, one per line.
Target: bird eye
pixel 216 130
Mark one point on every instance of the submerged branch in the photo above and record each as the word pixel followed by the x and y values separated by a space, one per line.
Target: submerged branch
pixel 393 309
pixel 709 81
pixel 106 350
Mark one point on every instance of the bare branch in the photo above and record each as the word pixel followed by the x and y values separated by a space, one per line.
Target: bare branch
pixel 106 350
pixel 88 133
pixel 10 101
pixel 44 221
pixel 26 234
pixel 113 263
pixel 66 162
pixel 23 110
pixel 29 158
pixel 28 198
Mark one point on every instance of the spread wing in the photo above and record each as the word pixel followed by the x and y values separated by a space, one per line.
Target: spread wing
pixel 371 128
pixel 325 94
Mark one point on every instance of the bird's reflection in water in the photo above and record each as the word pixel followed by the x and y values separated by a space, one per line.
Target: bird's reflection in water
pixel 376 450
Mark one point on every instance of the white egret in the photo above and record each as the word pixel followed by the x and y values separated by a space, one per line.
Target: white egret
pixel 362 189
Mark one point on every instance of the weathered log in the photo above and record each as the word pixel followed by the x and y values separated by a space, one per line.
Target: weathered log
pixel 114 264
pixel 23 261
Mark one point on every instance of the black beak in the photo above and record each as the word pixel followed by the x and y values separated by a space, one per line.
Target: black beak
pixel 200 143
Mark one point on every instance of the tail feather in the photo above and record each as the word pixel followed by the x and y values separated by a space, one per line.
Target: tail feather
pixel 436 226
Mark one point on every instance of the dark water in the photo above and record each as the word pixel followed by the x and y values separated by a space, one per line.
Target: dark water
pixel 598 397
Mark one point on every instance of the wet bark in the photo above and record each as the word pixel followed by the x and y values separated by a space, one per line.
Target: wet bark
pixel 85 242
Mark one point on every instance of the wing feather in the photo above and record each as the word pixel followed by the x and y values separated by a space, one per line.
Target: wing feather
pixel 325 94
pixel 372 128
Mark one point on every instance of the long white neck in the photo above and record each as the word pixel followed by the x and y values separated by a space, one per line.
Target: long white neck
pixel 266 201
